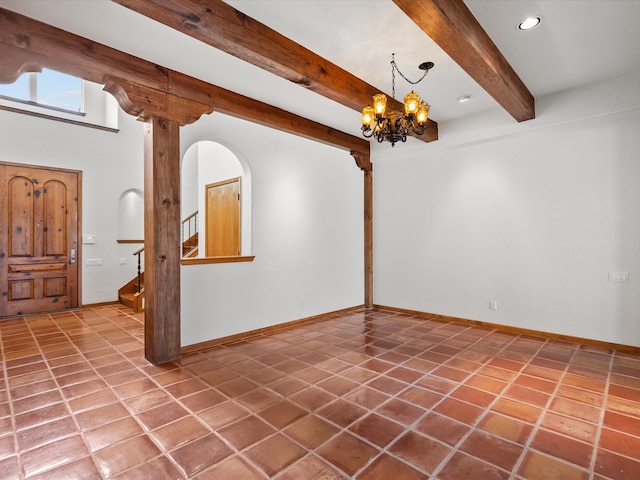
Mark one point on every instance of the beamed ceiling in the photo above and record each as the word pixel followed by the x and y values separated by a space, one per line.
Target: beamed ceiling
pixel 322 60
pixel 306 67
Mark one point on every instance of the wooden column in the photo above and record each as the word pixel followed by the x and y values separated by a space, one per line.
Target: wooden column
pixel 162 239
pixel 364 163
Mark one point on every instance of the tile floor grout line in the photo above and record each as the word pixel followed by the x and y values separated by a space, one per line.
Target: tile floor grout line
pixel 164 453
pixel 392 335
pixel 600 425
pixel 546 409
pixel 534 430
pixel 118 400
pixel 81 432
pixel 18 461
pixel 281 431
pixel 453 448
pixel 381 450
pixel 64 399
pixel 345 429
pixel 486 411
pixel 251 413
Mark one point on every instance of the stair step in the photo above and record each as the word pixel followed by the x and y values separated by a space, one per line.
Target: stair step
pixel 129 296
pixel 126 299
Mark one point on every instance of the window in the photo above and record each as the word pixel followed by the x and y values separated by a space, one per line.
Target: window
pixel 49 88
pixel 57 96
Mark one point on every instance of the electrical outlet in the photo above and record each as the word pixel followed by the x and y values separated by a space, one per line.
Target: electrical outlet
pixel 622 277
pixel 94 262
pixel 493 305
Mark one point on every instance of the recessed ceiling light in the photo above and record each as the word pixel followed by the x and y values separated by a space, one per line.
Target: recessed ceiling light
pixel 529 23
pixel 464 98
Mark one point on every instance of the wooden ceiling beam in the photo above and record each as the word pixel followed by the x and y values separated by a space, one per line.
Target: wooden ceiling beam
pixel 453 27
pixel 141 87
pixel 225 28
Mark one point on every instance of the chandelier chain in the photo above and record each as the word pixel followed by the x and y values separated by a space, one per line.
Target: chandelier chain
pixel 394 67
pixel 393 79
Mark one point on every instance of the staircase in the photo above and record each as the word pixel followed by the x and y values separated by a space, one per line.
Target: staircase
pixel 190 247
pixel 190 236
pixel 129 295
pixel 132 293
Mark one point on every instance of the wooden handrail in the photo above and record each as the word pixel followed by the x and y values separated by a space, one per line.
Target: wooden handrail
pixel 190 217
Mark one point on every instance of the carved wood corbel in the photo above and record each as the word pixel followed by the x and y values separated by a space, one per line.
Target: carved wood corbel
pixel 16 61
pixel 144 102
pixel 363 160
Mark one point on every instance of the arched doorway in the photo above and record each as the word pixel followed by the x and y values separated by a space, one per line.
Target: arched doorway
pixel 206 166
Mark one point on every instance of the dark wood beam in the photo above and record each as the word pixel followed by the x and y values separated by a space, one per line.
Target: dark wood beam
pixel 225 28
pixel 143 88
pixel 453 27
pixel 364 163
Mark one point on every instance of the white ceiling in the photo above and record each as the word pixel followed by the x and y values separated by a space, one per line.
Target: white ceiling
pixel 579 42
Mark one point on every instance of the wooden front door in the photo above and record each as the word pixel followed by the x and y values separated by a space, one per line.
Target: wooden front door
pixel 39 230
pixel 222 220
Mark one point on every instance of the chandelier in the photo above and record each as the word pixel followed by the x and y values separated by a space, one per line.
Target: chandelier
pixel 394 126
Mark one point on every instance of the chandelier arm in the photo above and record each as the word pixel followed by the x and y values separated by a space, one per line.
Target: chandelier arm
pixel 419 130
pixel 367 132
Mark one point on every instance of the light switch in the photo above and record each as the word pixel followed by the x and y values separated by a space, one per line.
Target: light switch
pixel 88 239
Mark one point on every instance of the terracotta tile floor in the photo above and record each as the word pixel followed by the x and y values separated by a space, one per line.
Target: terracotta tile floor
pixel 376 395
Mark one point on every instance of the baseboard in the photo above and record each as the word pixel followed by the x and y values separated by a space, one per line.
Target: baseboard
pixel 522 331
pixel 265 330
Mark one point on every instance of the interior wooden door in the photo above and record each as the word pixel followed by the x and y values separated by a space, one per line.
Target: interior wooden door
pixel 39 231
pixel 222 218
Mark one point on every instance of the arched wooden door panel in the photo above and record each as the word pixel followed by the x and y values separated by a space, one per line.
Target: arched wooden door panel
pixel 39 231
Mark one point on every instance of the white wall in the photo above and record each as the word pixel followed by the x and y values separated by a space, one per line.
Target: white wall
pixel 307 219
pixel 307 235
pixel 530 215
pixel 111 163
pixel 189 181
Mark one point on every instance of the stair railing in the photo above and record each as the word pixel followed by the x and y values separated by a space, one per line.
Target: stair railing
pixel 189 242
pixel 139 253
pixel 190 233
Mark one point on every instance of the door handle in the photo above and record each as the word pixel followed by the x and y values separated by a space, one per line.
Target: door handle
pixel 72 256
